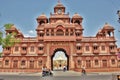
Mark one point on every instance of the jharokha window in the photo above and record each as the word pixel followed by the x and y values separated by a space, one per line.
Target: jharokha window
pixel 41 35
pixel 103 48
pixel 111 47
pixel 32 48
pixel 24 48
pixel 78 47
pixel 6 62
pixel 87 48
pixel 16 48
pixel 7 48
pixel 40 48
pixel 95 47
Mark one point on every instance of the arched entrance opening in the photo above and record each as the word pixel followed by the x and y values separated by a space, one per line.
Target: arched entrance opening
pixel 59 59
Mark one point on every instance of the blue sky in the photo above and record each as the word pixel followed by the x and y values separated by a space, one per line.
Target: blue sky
pixel 95 13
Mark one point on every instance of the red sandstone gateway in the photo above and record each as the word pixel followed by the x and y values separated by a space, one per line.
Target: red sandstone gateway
pixel 63 34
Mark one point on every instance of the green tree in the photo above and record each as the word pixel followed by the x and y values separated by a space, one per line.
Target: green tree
pixel 1 35
pixel 8 26
pixel 9 39
pixel 0 54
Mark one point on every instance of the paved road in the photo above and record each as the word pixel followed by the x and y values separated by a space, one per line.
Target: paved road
pixel 57 76
pixel 24 77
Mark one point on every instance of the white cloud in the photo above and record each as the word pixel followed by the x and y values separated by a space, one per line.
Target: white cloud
pixel 31 32
pixel 28 35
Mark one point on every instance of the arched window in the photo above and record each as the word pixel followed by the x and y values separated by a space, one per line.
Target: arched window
pixel 88 63
pixel 77 21
pixel 59 32
pixel 15 64
pixel 42 22
pixel 87 48
pixel 31 64
pixel 6 62
pixel 23 63
pixel 112 61
pixel 40 62
pixel 104 62
pixel 32 48
pixel 96 62
pixel 79 62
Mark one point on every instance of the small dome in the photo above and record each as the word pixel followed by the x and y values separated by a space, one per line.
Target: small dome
pixel 76 15
pixel 107 26
pixel 13 27
pixel 42 16
pixel 59 4
pixel 99 30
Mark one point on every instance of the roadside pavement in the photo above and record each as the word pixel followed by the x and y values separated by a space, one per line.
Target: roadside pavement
pixel 58 73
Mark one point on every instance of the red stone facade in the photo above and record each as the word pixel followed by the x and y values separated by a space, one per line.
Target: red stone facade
pixel 60 32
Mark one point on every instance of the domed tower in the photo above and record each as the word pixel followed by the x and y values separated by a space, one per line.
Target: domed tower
pixel 108 30
pixel 13 30
pixel 42 19
pixel 77 19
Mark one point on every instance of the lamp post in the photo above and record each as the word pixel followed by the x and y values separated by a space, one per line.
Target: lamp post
pixel 118 13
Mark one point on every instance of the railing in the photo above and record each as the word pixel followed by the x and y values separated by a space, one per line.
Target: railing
pixel 23 52
pixel 40 52
pixel 6 52
pixel 112 51
pixel 60 38
pixel 96 52
pixel 79 52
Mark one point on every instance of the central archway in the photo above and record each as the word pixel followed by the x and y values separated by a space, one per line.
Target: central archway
pixel 59 59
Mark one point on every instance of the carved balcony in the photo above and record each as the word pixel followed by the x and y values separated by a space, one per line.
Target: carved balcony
pixel 7 52
pixel 79 52
pixel 40 38
pixel 112 51
pixel 23 52
pixel 96 51
pixel 40 52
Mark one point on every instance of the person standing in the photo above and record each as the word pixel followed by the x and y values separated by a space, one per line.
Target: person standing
pixel 83 69
pixel 64 68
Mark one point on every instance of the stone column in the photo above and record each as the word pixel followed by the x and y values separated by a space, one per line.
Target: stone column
pixel 71 56
pixel 48 55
